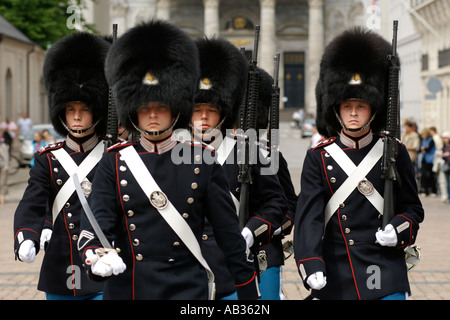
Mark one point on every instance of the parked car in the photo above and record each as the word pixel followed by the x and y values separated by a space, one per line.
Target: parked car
pixel 307 127
pixel 26 151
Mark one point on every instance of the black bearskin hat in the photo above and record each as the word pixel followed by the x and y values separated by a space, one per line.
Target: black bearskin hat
pixel 265 99
pixel 154 61
pixel 355 65
pixel 223 77
pixel 74 71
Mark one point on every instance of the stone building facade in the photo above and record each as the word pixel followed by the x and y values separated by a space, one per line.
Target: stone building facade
pixel 21 83
pixel 297 29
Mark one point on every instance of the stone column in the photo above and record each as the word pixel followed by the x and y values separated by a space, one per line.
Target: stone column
pixel 211 18
pixel 315 51
pixel 267 43
pixel 163 9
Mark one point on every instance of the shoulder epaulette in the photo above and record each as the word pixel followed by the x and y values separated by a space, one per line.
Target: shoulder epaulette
pixel 120 145
pixel 324 143
pixel 51 146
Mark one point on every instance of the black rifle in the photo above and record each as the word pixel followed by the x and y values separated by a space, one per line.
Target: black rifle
pixel 248 121
pixel 112 126
pixel 392 134
pixel 274 116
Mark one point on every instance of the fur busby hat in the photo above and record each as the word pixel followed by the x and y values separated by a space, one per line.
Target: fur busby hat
pixel 154 61
pixel 74 71
pixel 265 99
pixel 223 77
pixel 355 65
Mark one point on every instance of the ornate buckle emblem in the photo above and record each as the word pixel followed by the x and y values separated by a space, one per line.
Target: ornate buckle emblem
pixel 365 187
pixel 158 199
pixel 86 186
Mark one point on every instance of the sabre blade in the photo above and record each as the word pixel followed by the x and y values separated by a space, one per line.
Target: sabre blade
pixel 98 231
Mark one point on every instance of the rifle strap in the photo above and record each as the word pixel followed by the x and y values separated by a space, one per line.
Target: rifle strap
pixel 355 175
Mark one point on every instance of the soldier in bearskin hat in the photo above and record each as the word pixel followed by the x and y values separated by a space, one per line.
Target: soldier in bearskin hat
pixel 48 216
pixel 275 254
pixel 223 70
pixel 341 250
pixel 148 202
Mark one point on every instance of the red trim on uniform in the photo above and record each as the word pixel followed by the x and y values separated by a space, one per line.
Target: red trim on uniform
pixel 348 255
pixel 249 281
pixel 268 223
pixel 126 225
pixel 15 236
pixel 410 232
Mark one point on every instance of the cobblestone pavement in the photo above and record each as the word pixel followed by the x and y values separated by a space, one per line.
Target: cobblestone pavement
pixel 430 280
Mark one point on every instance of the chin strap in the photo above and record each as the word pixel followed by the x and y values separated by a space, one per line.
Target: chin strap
pixel 357 129
pixel 210 131
pixel 154 133
pixel 78 131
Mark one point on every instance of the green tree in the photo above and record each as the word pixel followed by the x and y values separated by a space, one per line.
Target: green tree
pixel 45 21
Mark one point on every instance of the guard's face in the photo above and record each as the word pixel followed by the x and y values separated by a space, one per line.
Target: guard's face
pixel 205 116
pixel 78 117
pixel 154 117
pixel 355 114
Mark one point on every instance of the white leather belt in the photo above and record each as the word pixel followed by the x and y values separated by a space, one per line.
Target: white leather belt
pixel 166 209
pixel 71 167
pixel 355 175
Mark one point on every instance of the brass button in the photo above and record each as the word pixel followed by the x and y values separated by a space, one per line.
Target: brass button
pixel 130 213
pixel 123 168
pixel 176 244
pixel 190 200
pixel 185 215
pixel 347 230
pixel 56 170
pixel 204 237
pixel 330 167
pixel 67 205
pixel 132 227
pixel 194 185
pixel 341 205
pixel 71 226
pixel 333 180
pixel 74 237
pixel 171 260
pixel 139 257
pixel 344 217
pixel 197 170
pixel 123 183
pixel 69 215
pixel 126 198
pixel 136 242
pixel 59 182
pixel 351 242
pixel 197 158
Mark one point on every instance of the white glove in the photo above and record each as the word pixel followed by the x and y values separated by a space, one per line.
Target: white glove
pixel 317 280
pixel 27 251
pixel 248 236
pixel 387 237
pixel 105 262
pixel 46 235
